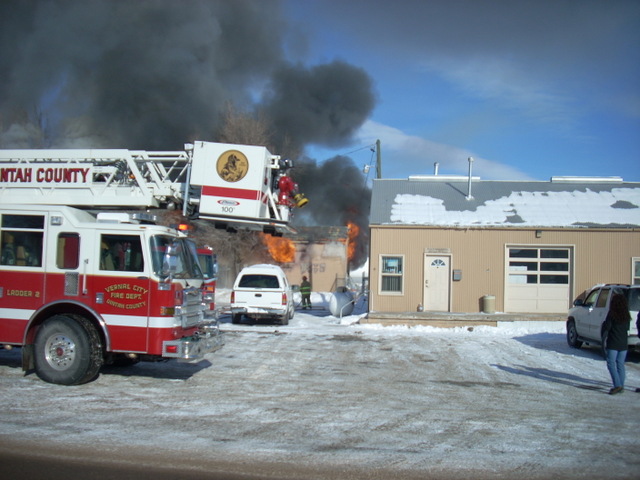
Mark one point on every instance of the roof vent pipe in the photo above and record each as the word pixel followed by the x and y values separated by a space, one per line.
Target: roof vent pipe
pixel 435 168
pixel 469 196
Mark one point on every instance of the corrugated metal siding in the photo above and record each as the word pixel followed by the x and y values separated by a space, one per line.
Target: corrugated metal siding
pixel 600 256
pixel 324 264
pixel 397 242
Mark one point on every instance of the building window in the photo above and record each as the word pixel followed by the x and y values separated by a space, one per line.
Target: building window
pixel 391 274
pixel 635 269
pixel 542 266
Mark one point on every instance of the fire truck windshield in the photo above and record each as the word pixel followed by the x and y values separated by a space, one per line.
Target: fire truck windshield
pixel 177 256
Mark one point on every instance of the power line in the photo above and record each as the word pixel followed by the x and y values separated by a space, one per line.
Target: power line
pixel 371 146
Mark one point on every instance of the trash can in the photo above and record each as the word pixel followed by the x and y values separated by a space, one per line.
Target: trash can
pixel 489 304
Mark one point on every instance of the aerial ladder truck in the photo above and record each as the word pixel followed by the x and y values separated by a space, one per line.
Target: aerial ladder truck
pixel 86 276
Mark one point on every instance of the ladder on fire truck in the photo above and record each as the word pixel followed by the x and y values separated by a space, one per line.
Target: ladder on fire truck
pixel 85 178
pixel 130 179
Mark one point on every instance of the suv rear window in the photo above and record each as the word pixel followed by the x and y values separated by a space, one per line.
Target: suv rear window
pixel 259 281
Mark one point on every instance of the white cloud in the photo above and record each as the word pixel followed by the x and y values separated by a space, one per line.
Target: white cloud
pixel 552 59
pixel 507 83
pixel 406 155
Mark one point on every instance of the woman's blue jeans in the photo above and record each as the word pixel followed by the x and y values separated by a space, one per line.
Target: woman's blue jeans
pixel 615 364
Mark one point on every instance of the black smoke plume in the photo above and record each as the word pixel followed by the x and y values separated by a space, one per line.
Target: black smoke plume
pixel 142 74
pixel 156 74
pixel 321 105
pixel 153 75
pixel 339 194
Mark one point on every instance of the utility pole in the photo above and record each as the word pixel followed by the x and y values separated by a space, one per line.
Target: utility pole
pixel 378 160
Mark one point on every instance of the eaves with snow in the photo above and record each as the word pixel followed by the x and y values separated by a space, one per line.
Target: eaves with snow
pixel 453 201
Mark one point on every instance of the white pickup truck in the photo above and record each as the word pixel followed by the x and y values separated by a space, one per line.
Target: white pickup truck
pixel 262 292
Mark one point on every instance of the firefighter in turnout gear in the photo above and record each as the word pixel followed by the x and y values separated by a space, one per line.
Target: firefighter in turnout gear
pixel 305 291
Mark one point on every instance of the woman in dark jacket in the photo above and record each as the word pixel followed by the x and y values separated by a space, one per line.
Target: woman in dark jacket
pixel 617 326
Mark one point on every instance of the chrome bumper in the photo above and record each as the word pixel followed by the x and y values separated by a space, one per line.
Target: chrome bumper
pixel 208 339
pixel 258 311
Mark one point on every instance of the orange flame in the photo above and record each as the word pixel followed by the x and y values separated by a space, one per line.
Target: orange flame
pixel 281 249
pixel 352 234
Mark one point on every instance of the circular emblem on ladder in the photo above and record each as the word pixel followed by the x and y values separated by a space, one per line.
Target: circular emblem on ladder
pixel 232 166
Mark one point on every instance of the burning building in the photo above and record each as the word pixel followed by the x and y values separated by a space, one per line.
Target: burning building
pixel 320 253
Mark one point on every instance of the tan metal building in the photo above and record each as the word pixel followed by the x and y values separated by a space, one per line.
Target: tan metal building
pixel 320 255
pixel 447 244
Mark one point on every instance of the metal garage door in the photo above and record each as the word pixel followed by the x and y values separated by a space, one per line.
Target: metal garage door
pixel 538 279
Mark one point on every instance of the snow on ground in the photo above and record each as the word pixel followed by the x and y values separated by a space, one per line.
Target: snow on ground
pixel 368 401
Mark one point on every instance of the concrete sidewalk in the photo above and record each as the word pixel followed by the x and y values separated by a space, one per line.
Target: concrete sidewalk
pixel 453 319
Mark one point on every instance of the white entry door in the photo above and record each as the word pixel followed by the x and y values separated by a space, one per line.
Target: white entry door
pixel 436 283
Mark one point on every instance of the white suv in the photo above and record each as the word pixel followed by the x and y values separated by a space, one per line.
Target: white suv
pixel 585 319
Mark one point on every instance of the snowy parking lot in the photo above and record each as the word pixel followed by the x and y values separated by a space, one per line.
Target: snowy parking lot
pixel 361 401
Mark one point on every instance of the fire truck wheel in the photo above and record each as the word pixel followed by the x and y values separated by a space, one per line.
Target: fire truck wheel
pixel 68 351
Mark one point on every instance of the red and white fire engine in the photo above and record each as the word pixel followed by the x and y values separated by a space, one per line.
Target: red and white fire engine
pixel 83 283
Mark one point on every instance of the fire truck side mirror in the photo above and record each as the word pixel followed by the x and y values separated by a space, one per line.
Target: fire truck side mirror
pixel 170 262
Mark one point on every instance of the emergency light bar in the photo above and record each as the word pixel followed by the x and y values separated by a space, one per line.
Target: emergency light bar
pixel 121 217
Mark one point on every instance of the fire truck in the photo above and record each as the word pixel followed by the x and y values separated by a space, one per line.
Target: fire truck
pixel 86 276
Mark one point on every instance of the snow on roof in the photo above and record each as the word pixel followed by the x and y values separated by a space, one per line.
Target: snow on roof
pixel 506 204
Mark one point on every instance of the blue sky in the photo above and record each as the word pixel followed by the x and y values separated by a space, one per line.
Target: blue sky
pixel 529 89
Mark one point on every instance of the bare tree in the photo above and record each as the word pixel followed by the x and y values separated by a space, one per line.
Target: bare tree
pixel 22 130
pixel 237 249
pixel 242 128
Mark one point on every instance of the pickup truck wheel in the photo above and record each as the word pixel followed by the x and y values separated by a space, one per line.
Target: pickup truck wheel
pixel 572 335
pixel 68 351
pixel 236 318
pixel 284 320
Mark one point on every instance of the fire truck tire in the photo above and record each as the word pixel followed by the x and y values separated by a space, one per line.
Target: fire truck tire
pixel 68 351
